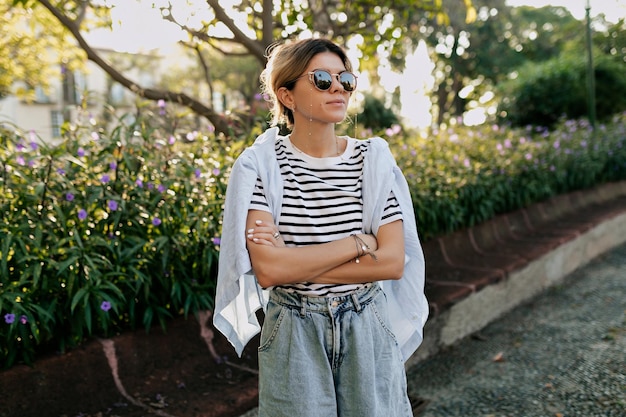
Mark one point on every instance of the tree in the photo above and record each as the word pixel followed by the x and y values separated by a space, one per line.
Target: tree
pixel 25 52
pixel 381 28
pixel 475 56
pixel 542 93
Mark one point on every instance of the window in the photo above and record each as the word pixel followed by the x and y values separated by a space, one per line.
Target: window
pixel 57 121
pixel 41 96
pixel 117 94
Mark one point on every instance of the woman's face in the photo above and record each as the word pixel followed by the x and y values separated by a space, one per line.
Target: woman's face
pixel 313 105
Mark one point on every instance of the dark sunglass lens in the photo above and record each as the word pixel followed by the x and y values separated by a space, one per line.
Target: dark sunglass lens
pixel 322 79
pixel 348 81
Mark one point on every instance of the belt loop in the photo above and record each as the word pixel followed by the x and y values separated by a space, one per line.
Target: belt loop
pixel 355 301
pixel 303 301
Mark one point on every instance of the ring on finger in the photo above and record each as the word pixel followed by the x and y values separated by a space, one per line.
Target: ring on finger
pixel 276 235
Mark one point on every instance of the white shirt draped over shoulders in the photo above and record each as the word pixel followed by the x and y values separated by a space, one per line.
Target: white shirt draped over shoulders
pixel 238 295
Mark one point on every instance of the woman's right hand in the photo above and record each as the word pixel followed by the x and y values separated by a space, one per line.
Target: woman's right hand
pixel 265 233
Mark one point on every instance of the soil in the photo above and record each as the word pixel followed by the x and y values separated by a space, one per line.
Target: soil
pixel 170 374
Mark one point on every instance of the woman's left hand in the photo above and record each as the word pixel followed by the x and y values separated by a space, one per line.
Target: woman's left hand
pixel 265 233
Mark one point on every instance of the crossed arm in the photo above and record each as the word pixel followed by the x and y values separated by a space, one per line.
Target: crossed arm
pixel 324 263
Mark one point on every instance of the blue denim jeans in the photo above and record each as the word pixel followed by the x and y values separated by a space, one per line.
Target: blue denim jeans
pixel 330 356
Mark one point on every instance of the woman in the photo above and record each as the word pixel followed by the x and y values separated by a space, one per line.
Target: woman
pixel 319 230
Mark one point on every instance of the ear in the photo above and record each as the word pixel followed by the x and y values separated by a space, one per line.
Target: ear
pixel 285 97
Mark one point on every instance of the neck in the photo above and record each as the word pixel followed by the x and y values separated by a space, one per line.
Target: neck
pixel 318 143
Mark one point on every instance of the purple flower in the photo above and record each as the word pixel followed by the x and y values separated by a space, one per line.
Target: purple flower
pixel 161 104
pixel 105 306
pixel 20 160
pixel 23 319
pixel 95 135
pixel 113 166
pixel 105 178
pixel 20 147
pixel 556 144
pixel 216 171
pixel 171 140
pixel 258 96
pixel 139 183
pixel 466 162
pixel 82 214
pixel 216 240
pixel 156 221
pixel 69 197
pixel 529 156
pixel 112 205
pixel 161 188
pixel 61 171
pixel 80 152
pixel 9 318
pixel 33 145
pixel 197 173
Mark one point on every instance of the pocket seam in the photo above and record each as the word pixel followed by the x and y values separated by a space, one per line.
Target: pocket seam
pixel 265 346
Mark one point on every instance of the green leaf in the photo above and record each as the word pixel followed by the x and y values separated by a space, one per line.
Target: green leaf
pixel 81 296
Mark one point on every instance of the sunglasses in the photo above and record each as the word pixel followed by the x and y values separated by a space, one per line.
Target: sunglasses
pixel 322 79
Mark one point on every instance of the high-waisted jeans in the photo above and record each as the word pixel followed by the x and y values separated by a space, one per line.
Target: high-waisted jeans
pixel 330 356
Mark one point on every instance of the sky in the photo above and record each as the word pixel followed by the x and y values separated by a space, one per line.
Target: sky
pixel 613 9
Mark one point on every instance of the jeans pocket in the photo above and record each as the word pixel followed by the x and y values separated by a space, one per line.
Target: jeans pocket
pixel 380 311
pixel 274 315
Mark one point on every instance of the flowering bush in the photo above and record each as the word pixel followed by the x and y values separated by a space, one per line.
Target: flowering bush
pixel 115 229
pixel 463 176
pixel 105 231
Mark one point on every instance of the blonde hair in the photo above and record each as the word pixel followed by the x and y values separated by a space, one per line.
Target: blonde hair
pixel 285 63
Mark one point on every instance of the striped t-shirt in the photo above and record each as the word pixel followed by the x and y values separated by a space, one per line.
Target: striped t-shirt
pixel 322 202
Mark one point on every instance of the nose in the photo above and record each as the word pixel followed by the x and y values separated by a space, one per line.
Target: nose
pixel 335 84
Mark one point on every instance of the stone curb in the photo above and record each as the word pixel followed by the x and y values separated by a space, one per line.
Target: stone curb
pixel 482 307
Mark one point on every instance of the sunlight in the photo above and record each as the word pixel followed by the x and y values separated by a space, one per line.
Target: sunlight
pixel 416 84
pixel 612 9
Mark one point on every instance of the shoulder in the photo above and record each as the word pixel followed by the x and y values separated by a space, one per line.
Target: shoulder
pixel 378 144
pixel 377 149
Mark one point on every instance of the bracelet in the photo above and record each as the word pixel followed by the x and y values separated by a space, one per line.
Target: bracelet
pixel 364 249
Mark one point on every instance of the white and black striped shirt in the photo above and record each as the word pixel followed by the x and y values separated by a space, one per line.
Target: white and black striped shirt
pixel 322 202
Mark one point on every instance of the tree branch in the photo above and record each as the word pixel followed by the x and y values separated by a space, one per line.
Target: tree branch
pixel 220 123
pixel 252 45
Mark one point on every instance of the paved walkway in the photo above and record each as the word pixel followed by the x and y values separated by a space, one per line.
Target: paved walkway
pixel 562 354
